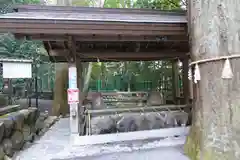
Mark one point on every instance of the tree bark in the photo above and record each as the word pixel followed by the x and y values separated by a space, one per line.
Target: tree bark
pixel 214 32
pixel 60 105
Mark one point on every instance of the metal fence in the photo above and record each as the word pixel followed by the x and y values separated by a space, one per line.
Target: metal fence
pixel 163 86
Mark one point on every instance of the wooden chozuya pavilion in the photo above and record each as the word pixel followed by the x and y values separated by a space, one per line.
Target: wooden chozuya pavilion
pixel 72 34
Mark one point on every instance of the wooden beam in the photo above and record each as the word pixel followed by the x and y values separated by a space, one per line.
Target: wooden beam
pixel 119 55
pixel 137 109
pixel 106 38
pixel 55 52
pixel 93 26
pixel 185 62
pixel 134 47
pixel 64 59
pixel 90 31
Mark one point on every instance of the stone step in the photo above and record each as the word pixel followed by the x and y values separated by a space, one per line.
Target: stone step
pixel 9 109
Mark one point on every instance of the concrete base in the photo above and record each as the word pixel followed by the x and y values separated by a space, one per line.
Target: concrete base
pixel 129 136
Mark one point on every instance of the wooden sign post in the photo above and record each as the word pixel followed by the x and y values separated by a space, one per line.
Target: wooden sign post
pixel 73 98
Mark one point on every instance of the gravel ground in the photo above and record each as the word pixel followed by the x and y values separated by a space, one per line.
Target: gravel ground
pixel 55 145
pixel 150 154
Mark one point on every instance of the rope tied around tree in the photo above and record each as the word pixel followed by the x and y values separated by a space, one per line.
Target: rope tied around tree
pixel 226 72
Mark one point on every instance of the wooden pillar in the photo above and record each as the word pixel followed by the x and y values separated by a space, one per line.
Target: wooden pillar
pixel 72 80
pixel 73 87
pixel 81 109
pixel 191 87
pixel 185 63
pixel 10 91
pixel 175 86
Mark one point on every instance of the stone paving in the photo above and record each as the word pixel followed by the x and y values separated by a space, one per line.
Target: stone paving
pixel 55 145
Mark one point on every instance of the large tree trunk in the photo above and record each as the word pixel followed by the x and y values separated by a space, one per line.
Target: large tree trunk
pixel 61 79
pixel 215 32
pixel 60 104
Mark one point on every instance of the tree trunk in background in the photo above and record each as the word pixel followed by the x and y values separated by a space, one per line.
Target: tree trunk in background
pixel 60 104
pixel 215 130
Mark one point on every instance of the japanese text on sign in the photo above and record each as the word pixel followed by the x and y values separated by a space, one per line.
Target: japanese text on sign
pixel 73 96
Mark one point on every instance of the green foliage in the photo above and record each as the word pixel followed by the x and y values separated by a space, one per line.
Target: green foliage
pixel 152 4
pixel 83 3
pixel 12 48
pixel 158 4
pixel 6 5
pixel 117 3
pixel 23 49
pixel 27 1
pixel 157 74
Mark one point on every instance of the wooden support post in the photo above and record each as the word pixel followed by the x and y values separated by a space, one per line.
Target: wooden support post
pixel 29 92
pixel 36 84
pixel 81 108
pixel 175 81
pixel 185 62
pixel 10 91
pixel 174 86
pixel 191 87
pixel 72 85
